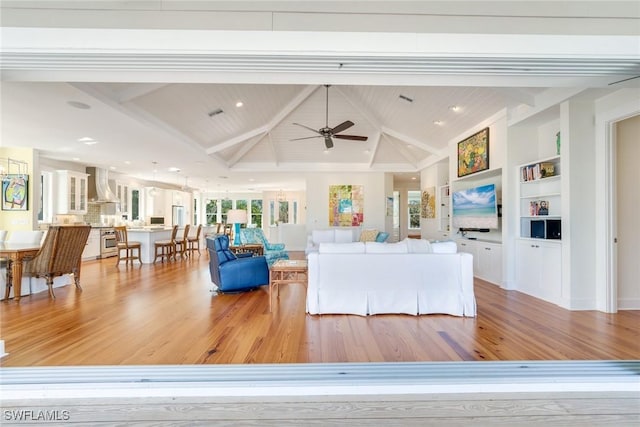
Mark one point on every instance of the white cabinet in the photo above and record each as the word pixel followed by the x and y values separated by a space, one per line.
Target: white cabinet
pixel 487 259
pixel 489 256
pixel 122 193
pixel 539 268
pixel 72 192
pixel 92 248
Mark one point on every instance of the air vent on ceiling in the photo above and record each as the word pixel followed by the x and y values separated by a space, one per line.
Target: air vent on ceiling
pixel 406 98
pixel 216 112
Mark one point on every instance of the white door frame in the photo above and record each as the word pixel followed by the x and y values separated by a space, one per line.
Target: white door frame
pixel 605 194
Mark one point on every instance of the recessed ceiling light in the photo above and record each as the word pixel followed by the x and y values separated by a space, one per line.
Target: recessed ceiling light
pixel 367 151
pixel 454 108
pixel 413 178
pixel 437 122
pixel 80 105
pixel 92 142
pixel 239 104
pixel 174 169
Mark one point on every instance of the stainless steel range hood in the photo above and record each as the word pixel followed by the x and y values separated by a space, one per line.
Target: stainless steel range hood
pixel 98 182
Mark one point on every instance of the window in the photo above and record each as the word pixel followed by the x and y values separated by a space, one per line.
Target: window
pixel 211 211
pixel 272 212
pixel 256 213
pixel 414 209
pixel 226 205
pixel 135 204
pixel 283 212
pixel 195 210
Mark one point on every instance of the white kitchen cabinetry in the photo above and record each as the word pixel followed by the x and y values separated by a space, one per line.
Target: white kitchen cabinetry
pixel 92 248
pixel 122 193
pixel 72 192
pixel 539 268
pixel 487 259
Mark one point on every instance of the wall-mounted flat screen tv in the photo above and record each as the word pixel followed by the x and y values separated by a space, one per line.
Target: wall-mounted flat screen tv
pixel 475 208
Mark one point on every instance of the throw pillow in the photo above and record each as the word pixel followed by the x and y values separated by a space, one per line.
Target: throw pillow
pixel 386 248
pixel 341 248
pixel 449 247
pixel 418 246
pixel 382 237
pixel 343 236
pixel 368 235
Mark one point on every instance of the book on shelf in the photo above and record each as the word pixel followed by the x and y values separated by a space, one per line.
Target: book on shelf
pixel 538 171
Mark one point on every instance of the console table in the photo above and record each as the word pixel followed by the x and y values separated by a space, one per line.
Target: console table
pixel 255 250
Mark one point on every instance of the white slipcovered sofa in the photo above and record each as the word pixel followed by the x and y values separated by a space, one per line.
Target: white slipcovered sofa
pixel 340 235
pixel 410 277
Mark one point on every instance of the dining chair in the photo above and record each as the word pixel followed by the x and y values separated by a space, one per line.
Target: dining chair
pixel 60 254
pixel 166 248
pixel 194 241
pixel 181 243
pixel 132 249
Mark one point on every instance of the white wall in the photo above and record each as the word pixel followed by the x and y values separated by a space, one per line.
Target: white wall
pixel 627 208
pixel 318 197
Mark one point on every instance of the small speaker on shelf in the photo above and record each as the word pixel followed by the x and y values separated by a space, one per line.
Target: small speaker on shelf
pixel 554 229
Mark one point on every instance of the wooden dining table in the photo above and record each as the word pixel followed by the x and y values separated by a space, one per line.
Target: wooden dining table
pixel 16 253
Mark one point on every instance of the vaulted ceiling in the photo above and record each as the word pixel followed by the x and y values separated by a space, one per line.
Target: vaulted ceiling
pixel 154 106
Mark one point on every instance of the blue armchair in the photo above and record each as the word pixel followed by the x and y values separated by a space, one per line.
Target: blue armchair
pixel 272 251
pixel 235 274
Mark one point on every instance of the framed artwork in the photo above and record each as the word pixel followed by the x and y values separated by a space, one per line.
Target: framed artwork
pixel 428 203
pixel 15 190
pixel 473 153
pixel 346 205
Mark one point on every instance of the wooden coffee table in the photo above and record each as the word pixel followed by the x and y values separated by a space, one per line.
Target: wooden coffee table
pixel 286 271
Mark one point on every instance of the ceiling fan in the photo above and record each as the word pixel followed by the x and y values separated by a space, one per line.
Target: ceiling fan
pixel 327 133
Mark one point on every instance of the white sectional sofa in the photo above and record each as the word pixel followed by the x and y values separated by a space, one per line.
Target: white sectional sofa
pixel 410 277
pixel 331 235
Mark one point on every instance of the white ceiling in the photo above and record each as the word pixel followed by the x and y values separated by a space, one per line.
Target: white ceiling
pixel 153 103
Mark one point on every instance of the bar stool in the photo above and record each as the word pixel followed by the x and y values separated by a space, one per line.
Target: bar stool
pixel 194 241
pixel 132 249
pixel 167 247
pixel 181 244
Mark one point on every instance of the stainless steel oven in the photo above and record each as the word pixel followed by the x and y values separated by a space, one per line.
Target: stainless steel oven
pixel 108 244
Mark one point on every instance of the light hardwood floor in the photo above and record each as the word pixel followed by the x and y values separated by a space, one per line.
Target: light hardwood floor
pixel 167 314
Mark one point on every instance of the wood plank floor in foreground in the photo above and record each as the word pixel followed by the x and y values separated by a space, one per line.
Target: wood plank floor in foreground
pixel 167 314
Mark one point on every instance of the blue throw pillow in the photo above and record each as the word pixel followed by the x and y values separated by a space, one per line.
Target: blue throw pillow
pixel 382 237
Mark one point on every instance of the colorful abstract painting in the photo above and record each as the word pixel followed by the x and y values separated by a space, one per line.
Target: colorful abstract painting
pixel 15 192
pixel 346 205
pixel 473 153
pixel 429 203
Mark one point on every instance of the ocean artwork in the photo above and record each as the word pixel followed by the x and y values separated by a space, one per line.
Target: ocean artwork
pixel 475 207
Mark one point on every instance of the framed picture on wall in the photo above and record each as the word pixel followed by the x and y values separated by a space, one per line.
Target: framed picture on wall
pixel 473 153
pixel 15 190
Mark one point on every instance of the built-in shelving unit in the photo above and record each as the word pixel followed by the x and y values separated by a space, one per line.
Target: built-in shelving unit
pixel 444 204
pixel 541 199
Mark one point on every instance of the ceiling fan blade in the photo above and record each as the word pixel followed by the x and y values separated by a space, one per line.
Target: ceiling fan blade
pixel 352 137
pixel 307 127
pixel 328 142
pixel 342 126
pixel 306 137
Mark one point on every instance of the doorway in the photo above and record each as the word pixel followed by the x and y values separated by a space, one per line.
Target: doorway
pixel 627 205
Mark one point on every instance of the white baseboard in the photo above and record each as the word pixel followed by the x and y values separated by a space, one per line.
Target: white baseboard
pixel 628 303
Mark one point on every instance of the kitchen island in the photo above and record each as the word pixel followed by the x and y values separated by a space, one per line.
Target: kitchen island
pixel 147 238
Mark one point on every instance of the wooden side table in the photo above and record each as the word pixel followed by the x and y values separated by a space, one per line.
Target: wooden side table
pixel 255 250
pixel 286 271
